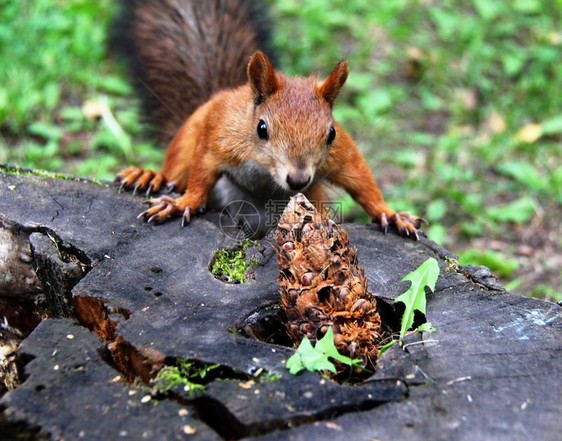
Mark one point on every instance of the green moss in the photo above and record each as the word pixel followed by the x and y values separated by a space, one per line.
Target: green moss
pixel 17 171
pixel 452 264
pixel 230 263
pixel 267 377
pixel 186 373
pixel 193 376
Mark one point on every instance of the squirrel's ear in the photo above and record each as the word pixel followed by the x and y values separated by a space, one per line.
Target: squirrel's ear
pixel 332 85
pixel 262 77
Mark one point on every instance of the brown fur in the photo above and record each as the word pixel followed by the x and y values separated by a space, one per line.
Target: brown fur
pixel 220 138
pixel 183 51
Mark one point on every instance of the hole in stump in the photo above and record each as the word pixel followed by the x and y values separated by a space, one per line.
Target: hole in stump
pixel 267 325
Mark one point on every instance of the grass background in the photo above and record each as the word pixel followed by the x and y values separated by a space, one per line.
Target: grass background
pixel 456 105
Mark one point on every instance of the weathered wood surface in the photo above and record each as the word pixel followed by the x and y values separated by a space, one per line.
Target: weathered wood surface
pixel 491 371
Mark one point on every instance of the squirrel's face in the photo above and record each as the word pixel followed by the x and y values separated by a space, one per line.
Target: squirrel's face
pixel 294 127
pixel 294 130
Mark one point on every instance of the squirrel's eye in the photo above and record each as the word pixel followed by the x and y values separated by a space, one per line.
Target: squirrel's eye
pixel 262 130
pixel 331 135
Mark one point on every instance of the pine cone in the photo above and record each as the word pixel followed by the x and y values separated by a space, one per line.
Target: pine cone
pixel 322 285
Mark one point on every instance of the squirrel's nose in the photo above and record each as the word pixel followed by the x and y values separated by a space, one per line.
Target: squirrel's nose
pixel 298 179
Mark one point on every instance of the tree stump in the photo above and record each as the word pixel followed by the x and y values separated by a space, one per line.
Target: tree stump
pixel 101 301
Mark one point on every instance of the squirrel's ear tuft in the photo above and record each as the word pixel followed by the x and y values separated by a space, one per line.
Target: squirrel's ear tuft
pixel 332 85
pixel 262 77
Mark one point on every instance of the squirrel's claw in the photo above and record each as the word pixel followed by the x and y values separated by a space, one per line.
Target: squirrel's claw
pixel 402 228
pixel 170 186
pixel 186 217
pixel 405 223
pixel 138 179
pixel 384 222
pixel 154 218
pixel 158 213
pixel 128 177
pixel 165 207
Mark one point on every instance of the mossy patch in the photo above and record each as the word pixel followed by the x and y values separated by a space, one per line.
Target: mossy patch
pixel 231 265
pixel 18 171
pixel 186 373
pixel 193 376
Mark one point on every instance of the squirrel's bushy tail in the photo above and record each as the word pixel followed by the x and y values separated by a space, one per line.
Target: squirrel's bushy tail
pixel 180 52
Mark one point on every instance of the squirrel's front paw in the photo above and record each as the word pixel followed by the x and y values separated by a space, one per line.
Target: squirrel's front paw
pixel 164 207
pixel 138 179
pixel 406 224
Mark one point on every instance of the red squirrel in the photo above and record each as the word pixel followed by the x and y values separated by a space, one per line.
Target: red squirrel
pixel 267 139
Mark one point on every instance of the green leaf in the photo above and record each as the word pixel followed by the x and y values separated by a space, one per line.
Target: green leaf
pixel 385 347
pixel 498 263
pixel 430 101
pixel 513 63
pixel 326 345
pixel 525 173
pixel 436 209
pixel 72 114
pixel 317 358
pixel 114 84
pixel 518 211
pixel 472 227
pixel 527 6
pixel 488 10
pixel 45 130
pixel 426 327
pixel 376 102
pixel 414 298
pixel 408 158
pixel 437 233
pixel 552 126
pixel 307 357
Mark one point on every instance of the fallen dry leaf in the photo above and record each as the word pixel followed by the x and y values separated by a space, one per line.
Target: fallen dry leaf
pixel 529 134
